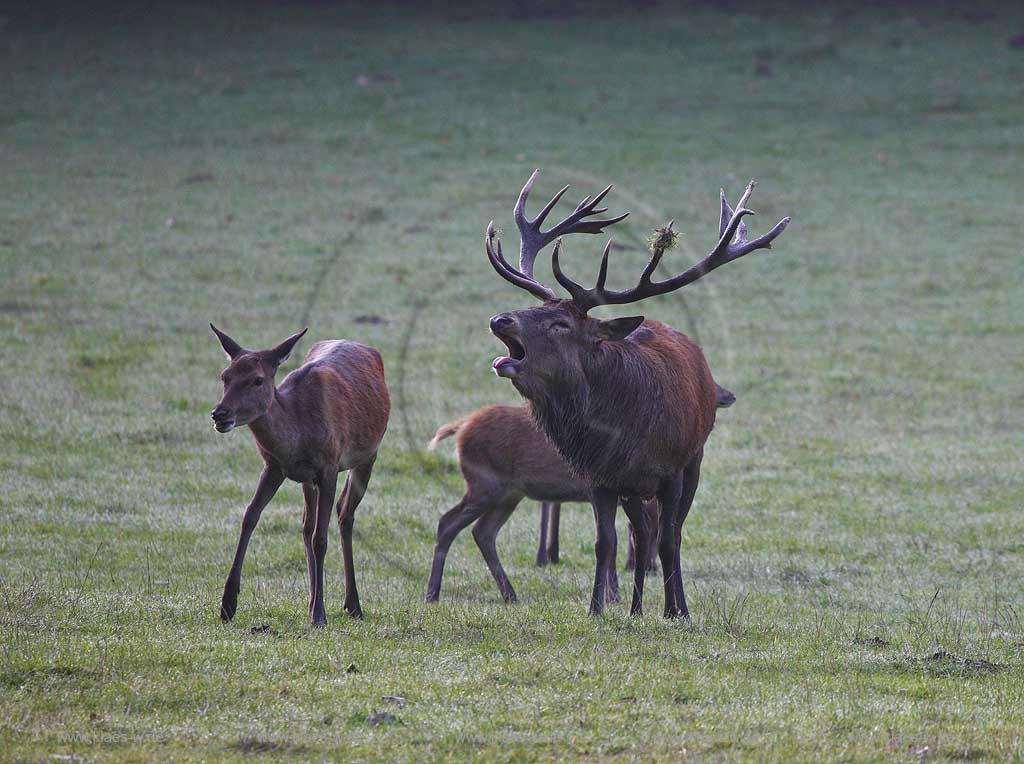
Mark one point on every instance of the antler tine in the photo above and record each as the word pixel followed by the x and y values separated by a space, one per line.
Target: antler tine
pixel 732 245
pixel 532 239
pixel 603 273
pixel 585 299
pixel 657 252
pixel 578 293
pixel 493 246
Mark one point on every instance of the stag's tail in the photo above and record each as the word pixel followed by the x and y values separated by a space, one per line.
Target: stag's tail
pixel 723 399
pixel 444 431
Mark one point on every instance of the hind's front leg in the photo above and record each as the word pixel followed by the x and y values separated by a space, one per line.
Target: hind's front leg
pixel 270 480
pixel 326 486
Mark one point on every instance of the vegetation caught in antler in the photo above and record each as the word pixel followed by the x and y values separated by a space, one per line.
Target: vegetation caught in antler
pixel 732 245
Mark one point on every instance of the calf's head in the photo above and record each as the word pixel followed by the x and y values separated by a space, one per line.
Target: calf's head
pixel 248 381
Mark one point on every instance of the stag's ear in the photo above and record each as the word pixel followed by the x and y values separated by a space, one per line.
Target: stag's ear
pixel 282 351
pixel 232 348
pixel 617 328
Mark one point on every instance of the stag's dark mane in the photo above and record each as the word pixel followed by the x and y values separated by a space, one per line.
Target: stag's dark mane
pixel 606 424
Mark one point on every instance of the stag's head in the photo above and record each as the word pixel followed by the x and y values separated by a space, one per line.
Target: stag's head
pixel 248 381
pixel 549 344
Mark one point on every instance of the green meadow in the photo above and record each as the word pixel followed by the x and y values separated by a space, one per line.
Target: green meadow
pixel 854 558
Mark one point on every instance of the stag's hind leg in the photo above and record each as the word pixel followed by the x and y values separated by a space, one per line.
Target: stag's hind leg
pixel 355 488
pixel 691 478
pixel 669 496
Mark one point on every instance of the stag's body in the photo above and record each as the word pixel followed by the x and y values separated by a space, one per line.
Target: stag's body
pixel 327 416
pixel 614 435
pixel 629 403
pixel 504 458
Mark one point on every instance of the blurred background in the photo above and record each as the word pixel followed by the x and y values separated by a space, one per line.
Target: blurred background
pixel 268 166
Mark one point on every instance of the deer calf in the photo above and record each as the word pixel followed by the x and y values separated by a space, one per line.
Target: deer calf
pixel 504 458
pixel 326 416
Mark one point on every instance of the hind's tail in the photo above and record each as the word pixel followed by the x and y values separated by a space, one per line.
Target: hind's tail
pixel 723 398
pixel 444 431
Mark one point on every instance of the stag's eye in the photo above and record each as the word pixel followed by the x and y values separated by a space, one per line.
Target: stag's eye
pixel 257 382
pixel 558 326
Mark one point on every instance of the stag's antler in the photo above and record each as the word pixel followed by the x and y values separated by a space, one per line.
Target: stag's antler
pixel 732 245
pixel 532 240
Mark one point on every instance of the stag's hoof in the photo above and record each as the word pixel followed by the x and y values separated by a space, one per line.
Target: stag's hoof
pixel 355 611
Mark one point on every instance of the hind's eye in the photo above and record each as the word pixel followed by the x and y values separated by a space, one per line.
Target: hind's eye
pixel 257 382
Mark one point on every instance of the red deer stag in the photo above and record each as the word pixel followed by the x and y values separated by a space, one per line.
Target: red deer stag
pixel 503 458
pixel 629 403
pixel 551 512
pixel 326 416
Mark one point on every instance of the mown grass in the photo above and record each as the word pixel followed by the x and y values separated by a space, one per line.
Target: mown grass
pixel 854 557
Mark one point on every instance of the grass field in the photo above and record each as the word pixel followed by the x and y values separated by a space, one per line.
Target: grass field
pixel 854 558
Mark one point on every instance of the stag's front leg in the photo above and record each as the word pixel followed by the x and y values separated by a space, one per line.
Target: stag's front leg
pixel 605 503
pixel 326 486
pixel 270 480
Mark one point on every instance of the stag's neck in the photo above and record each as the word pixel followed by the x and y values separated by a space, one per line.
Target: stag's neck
pixel 275 432
pixel 596 423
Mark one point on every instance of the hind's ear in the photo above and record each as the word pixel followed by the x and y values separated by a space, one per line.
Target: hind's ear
pixel 617 328
pixel 232 348
pixel 282 351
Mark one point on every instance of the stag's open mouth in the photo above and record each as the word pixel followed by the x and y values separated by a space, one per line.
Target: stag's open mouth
pixel 508 365
pixel 225 426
